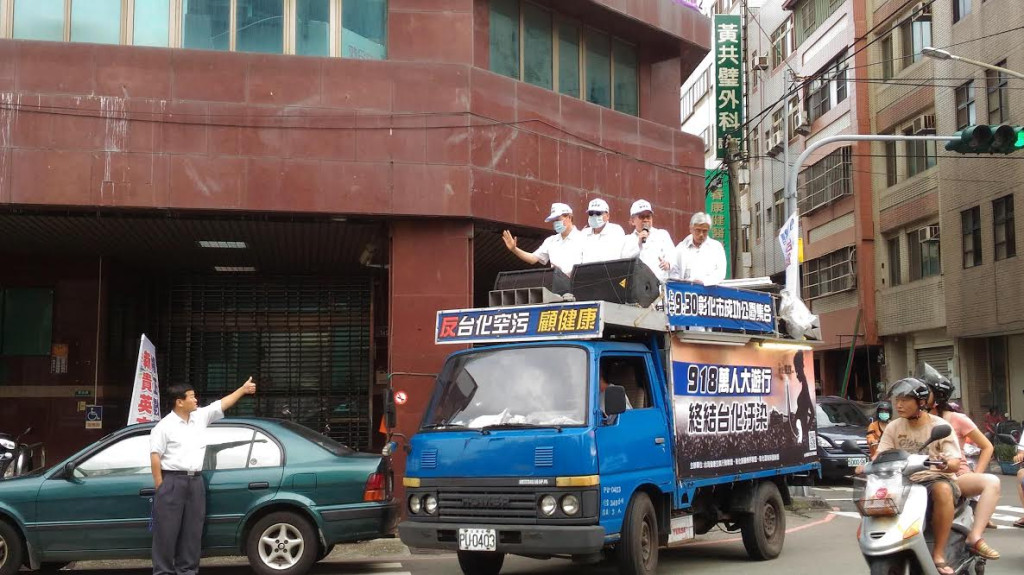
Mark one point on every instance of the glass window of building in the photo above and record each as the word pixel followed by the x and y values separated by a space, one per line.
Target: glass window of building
pixel 625 73
pixel 598 68
pixel 364 29
pixel 1003 228
pixel 206 24
pixel 965 113
pixel 895 267
pixel 260 26
pixel 504 20
pixel 313 27
pixel 970 221
pixel 537 46
pixel 152 23
pixel 569 58
pixel 96 21
pixel 39 20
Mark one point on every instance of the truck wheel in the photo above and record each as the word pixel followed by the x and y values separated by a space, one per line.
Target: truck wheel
pixel 637 550
pixel 764 530
pixel 481 562
pixel 10 549
pixel 282 543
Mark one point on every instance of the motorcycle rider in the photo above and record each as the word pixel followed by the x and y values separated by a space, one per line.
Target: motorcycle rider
pixel 883 413
pixel 910 433
pixel 983 485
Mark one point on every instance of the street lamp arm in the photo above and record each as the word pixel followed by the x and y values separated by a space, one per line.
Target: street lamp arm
pixel 944 55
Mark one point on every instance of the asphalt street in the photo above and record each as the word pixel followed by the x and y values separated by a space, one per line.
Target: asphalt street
pixel 819 540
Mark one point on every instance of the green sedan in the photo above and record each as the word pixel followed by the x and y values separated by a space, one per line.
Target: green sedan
pixel 277 492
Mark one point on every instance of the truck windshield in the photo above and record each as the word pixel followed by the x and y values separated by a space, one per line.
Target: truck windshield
pixel 513 387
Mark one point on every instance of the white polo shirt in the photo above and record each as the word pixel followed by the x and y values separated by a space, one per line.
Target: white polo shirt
pixel 657 247
pixel 602 245
pixel 181 444
pixel 562 253
pixel 705 263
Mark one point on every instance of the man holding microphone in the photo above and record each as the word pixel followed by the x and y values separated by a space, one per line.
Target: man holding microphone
pixel 653 245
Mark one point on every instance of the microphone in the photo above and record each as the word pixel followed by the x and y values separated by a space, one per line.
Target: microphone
pixel 647 228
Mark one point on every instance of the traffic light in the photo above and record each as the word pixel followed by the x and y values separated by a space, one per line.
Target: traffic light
pixel 983 139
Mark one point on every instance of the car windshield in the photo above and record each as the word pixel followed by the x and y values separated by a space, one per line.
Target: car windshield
pixel 840 413
pixel 511 387
pixel 317 438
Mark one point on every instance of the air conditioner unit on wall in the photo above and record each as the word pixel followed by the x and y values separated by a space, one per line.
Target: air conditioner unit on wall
pixel 775 143
pixel 759 62
pixel 803 126
pixel 923 122
pixel 923 9
pixel 930 233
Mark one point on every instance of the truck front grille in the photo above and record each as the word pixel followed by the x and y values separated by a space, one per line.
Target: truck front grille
pixel 466 503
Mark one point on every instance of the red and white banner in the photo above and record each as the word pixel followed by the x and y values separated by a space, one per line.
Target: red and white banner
pixel 145 405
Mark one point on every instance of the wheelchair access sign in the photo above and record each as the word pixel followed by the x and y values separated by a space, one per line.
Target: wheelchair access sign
pixel 94 417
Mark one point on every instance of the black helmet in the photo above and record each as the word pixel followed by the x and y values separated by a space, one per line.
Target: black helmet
pixel 885 406
pixel 909 387
pixel 943 390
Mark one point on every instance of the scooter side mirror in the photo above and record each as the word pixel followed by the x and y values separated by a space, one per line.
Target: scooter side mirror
pixel 938 432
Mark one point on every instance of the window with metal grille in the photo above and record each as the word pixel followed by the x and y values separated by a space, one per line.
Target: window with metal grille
pixel 924 247
pixel 970 221
pixel 831 273
pixel 827 180
pixel 998 96
pixel 1002 219
pixel 306 341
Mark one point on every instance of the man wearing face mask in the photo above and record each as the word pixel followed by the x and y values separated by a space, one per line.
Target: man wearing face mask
pixel 602 241
pixel 699 258
pixel 653 245
pixel 882 415
pixel 562 250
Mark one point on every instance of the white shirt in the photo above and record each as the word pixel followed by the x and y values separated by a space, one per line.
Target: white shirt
pixel 181 444
pixel 705 263
pixel 657 247
pixel 603 245
pixel 562 253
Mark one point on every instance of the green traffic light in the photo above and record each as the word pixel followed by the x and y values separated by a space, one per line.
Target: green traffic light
pixel 1019 144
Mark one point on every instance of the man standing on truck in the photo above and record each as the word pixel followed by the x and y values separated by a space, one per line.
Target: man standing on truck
pixel 653 245
pixel 910 433
pixel 562 250
pixel 699 258
pixel 602 241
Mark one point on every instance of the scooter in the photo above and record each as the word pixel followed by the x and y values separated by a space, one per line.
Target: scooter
pixel 16 457
pixel 895 531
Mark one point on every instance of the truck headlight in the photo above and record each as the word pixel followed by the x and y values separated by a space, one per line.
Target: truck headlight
pixel 548 505
pixel 415 504
pixel 430 504
pixel 570 504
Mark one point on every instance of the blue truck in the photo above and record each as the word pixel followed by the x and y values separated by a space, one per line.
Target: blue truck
pixel 596 430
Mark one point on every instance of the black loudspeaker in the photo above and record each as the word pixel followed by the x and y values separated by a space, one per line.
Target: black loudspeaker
pixel 552 278
pixel 627 281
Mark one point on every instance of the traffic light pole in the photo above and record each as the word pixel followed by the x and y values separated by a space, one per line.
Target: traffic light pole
pixel 793 270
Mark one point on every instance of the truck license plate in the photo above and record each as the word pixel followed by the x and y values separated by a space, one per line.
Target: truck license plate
pixel 478 539
pixel 855 461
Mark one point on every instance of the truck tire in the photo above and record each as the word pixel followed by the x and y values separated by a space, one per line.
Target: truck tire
pixel 764 530
pixel 481 562
pixel 11 547
pixel 637 551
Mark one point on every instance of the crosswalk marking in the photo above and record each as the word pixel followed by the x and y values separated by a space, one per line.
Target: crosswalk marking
pixel 1010 508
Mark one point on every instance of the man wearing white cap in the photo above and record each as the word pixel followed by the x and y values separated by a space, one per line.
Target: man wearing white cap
pixel 653 245
pixel 699 258
pixel 602 241
pixel 562 250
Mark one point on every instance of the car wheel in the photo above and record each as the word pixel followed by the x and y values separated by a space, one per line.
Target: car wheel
pixel 282 543
pixel 764 530
pixel 11 548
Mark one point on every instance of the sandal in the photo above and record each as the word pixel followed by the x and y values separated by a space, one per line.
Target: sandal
pixel 982 549
pixel 943 568
pixel 1019 523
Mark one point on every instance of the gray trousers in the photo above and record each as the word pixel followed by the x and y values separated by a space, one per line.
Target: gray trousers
pixel 179 511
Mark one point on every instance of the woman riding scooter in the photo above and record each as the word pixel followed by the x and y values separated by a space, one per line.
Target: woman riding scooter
pixel 971 484
pixel 883 413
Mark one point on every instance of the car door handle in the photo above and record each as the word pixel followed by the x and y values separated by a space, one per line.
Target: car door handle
pixel 147 491
pixel 259 485
pixel 659 440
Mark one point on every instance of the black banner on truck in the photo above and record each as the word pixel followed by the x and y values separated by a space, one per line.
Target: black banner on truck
pixel 741 409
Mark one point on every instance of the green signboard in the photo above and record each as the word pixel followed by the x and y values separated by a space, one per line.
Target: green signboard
pixel 716 204
pixel 728 81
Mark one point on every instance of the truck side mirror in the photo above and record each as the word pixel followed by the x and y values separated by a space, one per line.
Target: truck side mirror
pixel 614 400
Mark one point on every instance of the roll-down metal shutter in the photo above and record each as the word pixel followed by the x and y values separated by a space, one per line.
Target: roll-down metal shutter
pixel 306 342
pixel 937 357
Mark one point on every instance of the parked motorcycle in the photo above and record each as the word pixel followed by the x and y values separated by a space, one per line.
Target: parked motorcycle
pixel 895 531
pixel 16 458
